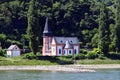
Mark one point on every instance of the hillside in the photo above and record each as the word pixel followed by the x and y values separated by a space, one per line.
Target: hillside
pixel 66 17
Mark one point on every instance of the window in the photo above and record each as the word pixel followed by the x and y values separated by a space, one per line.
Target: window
pixel 75 51
pixel 69 51
pixel 59 51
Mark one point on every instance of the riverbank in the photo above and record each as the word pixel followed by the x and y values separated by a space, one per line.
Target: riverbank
pixel 63 68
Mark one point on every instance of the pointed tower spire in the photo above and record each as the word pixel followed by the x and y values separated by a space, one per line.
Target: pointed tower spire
pixel 47 30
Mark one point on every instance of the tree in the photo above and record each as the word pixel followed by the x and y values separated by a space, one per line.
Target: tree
pixel 2 40
pixel 33 27
pixel 103 29
pixel 116 40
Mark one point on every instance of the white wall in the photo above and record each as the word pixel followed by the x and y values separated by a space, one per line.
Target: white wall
pixel 13 53
pixel 58 53
pixel 65 52
pixel 16 53
pixel 76 47
pixel 53 50
pixel 9 54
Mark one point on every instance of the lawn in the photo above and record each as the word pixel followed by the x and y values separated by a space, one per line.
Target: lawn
pixel 99 61
pixel 52 61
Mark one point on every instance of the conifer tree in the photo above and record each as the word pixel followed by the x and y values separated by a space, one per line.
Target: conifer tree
pixel 103 42
pixel 116 40
pixel 33 27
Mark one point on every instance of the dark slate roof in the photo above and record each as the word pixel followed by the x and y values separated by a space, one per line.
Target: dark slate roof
pixel 68 45
pixel 47 29
pixel 62 40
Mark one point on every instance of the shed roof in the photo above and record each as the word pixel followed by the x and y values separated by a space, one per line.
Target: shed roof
pixel 12 47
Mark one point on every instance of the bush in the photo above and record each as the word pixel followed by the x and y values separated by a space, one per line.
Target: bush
pixel 101 56
pixel 68 56
pixel 2 53
pixel 113 55
pixel 97 50
pixel 79 56
pixel 92 55
pixel 29 56
pixel 83 51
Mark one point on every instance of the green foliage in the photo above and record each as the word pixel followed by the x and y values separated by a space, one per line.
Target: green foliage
pixel 92 55
pixel 95 40
pixel 116 39
pixel 112 38
pixel 80 56
pixel 2 40
pixel 97 50
pixel 29 56
pixel 2 53
pixel 99 61
pixel 101 56
pixel 104 29
pixel 33 29
pixel 83 51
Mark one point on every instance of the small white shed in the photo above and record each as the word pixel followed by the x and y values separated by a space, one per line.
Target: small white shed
pixel 13 50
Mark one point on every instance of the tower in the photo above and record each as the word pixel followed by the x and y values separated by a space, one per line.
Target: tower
pixel 47 39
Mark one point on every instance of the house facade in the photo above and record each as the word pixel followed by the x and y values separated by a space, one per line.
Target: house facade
pixel 13 50
pixel 58 46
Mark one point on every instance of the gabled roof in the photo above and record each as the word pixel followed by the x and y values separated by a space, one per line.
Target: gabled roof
pixel 47 29
pixel 12 47
pixel 68 45
pixel 62 40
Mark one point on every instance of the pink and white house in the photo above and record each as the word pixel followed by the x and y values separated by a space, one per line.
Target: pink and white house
pixel 58 46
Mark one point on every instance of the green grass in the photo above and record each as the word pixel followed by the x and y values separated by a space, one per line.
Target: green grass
pixel 60 60
pixel 98 61
pixel 19 61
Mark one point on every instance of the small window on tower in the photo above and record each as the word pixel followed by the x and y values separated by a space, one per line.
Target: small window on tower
pixel 61 41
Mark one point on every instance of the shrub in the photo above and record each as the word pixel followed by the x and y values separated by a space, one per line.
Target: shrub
pixel 83 51
pixel 92 55
pixel 79 56
pixel 2 53
pixel 101 56
pixel 97 50
pixel 29 56
pixel 68 56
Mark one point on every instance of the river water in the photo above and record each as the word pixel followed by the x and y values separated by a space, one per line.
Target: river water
pixel 113 74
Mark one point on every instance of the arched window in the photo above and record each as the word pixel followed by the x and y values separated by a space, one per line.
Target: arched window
pixel 75 51
pixel 69 51
pixel 60 51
